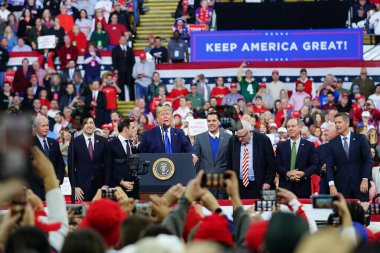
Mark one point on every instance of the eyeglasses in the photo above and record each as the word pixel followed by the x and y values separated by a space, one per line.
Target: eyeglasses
pixel 243 136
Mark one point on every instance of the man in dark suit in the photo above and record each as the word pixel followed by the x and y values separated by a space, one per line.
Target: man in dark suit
pixel 68 99
pixel 250 154
pixel 123 60
pixel 322 152
pixel 96 102
pixel 51 149
pixel 69 73
pixel 211 149
pixel 90 171
pixel 296 161
pixel 350 154
pixel 164 138
pixel 34 84
pixel 119 153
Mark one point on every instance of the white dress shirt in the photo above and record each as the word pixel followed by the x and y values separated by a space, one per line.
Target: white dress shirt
pixel 124 143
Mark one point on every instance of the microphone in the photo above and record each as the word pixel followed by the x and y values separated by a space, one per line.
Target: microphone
pixel 164 127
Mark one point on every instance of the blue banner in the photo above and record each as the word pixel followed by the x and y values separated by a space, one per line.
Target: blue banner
pixel 277 45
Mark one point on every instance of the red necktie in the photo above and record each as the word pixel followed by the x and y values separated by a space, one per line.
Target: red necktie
pixel 245 166
pixel 90 149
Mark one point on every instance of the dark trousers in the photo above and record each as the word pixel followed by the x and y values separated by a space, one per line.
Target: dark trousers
pixel 125 78
pixel 252 191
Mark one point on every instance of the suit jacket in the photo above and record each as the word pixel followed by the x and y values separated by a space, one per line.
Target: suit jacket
pixel 322 155
pixel 64 101
pixel 123 62
pixel 263 158
pixel 349 171
pixel 100 107
pixel 152 141
pixel 306 161
pixel 119 167
pixel 55 156
pixel 202 149
pixel 89 175
pixel 66 76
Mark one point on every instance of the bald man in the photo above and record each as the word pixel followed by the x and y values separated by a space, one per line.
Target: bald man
pixel 322 154
pixel 296 161
pixel 251 156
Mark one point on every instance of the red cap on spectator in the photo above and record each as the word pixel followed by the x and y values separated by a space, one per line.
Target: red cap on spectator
pixel 263 85
pixel 33 76
pixel 215 228
pixel 150 36
pixel 233 85
pixel 288 107
pixel 255 235
pixel 109 126
pixel 105 216
pixel 359 96
pixel 142 55
pixel 316 99
pixel 344 95
pixel 192 219
pixel 249 104
pixel 296 114
pixel 275 72
pixel 177 115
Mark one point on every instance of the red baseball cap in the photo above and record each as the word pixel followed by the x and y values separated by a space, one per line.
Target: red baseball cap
pixel 288 107
pixel 150 36
pixel 316 99
pixel 233 85
pixel 344 95
pixel 142 55
pixel 33 76
pixel 296 114
pixel 263 85
pixel 249 104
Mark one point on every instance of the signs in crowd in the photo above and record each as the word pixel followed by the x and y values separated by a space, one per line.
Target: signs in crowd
pixel 277 45
pixel 197 126
pixel 16 2
pixel 47 41
pixel 197 28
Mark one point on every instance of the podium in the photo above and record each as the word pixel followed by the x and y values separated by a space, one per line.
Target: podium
pixel 166 170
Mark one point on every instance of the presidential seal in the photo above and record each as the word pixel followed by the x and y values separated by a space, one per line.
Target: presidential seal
pixel 163 168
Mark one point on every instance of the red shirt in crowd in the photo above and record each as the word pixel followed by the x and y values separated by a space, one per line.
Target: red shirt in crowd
pixel 204 15
pixel 219 91
pixel 67 54
pixel 111 97
pixel 79 40
pixel 66 21
pixel 156 102
pixel 9 77
pixel 259 109
pixel 176 94
pixel 115 31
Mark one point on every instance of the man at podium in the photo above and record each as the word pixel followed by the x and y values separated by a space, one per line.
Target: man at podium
pixel 164 138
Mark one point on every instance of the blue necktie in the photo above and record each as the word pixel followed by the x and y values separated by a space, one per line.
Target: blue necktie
pixel 46 149
pixel 168 147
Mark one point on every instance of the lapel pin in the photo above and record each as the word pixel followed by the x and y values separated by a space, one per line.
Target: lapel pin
pixel 353 139
pixel 97 141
